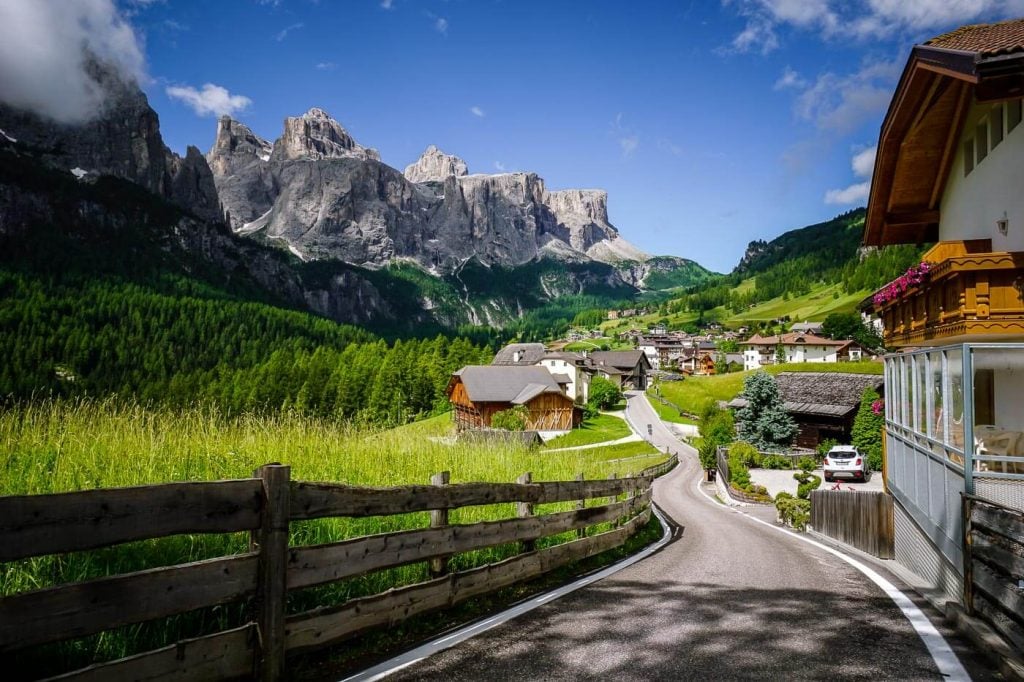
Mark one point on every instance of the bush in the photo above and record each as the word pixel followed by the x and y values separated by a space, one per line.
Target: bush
pixel 807 464
pixel 738 475
pixel 826 445
pixel 874 454
pixel 775 462
pixel 603 393
pixel 793 511
pixel 716 428
pixel 807 483
pixel 512 419
pixel 866 434
pixel 707 451
pixel 745 453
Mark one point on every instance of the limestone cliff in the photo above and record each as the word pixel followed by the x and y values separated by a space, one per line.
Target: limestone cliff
pixel 435 166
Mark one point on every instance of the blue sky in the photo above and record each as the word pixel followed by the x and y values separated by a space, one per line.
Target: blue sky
pixel 709 123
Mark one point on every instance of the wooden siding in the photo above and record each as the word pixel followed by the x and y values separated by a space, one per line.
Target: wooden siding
pixel 971 295
pixel 547 411
pixel 860 519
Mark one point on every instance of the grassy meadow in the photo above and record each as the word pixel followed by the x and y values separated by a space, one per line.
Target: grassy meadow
pixel 601 428
pixel 58 446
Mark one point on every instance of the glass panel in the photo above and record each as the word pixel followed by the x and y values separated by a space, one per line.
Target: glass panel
pixel 998 416
pixel 981 141
pixel 935 426
pixel 995 124
pixel 921 392
pixel 1013 112
pixel 968 157
pixel 955 399
pixel 906 394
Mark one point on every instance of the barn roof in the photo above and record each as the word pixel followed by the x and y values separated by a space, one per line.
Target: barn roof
pixel 822 393
pixel 619 359
pixel 506 383
pixel 528 354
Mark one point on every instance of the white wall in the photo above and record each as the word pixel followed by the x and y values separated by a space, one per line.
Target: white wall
pixel 578 388
pixel 971 205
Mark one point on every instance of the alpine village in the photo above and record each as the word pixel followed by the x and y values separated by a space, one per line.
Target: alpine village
pixel 278 410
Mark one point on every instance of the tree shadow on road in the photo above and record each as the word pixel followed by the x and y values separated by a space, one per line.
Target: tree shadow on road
pixel 631 630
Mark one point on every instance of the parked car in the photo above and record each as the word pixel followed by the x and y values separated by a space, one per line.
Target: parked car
pixel 846 461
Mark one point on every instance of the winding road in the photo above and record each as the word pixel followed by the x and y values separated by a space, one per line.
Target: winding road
pixel 726 598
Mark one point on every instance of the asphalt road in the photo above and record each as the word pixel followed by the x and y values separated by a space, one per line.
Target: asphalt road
pixel 727 598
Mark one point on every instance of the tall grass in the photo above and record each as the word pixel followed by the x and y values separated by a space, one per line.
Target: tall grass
pixel 57 446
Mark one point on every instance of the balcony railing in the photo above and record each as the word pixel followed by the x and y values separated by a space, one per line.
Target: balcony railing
pixel 970 293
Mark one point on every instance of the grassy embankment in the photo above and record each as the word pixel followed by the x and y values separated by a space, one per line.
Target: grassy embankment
pixel 603 427
pixel 72 445
pixel 694 394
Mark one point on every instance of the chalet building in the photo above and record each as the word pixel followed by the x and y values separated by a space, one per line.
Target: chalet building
pixel 523 354
pixel 627 369
pixel 759 351
pixel 823 404
pixel 574 369
pixel 806 327
pixel 949 169
pixel 476 392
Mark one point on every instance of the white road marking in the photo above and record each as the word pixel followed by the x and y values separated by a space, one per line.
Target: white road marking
pixel 382 670
pixel 943 655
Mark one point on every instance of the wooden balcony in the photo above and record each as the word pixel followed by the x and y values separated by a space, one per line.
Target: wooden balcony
pixel 971 294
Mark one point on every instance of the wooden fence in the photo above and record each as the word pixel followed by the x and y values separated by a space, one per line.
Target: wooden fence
pixel 265 505
pixel 994 566
pixel 861 520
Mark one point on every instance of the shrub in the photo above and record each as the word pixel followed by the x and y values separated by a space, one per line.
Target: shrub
pixel 807 464
pixel 745 453
pixel 603 393
pixel 716 428
pixel 707 451
pixel 807 482
pixel 512 419
pixel 826 445
pixel 775 462
pixel 874 455
pixel 866 434
pixel 793 511
pixel 739 475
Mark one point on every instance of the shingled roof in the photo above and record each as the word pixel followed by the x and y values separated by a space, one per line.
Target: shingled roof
pixel 832 394
pixel 792 339
pixel 986 40
pixel 506 383
pixel 519 354
pixel 619 359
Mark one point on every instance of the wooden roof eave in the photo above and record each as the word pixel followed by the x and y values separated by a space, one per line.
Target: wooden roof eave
pixel 919 85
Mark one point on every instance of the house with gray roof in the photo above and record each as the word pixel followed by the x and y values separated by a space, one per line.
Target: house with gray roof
pixel 628 369
pixel 477 392
pixel 823 404
pixel 520 354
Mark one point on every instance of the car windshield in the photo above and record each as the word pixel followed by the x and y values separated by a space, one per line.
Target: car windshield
pixel 842 454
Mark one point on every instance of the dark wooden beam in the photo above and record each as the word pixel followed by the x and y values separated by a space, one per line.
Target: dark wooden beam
pixel 923 217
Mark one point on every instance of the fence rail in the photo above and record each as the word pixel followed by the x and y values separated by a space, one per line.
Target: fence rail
pixel 994 565
pixel 860 519
pixel 265 505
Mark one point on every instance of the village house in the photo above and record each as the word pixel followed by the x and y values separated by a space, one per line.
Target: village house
pixel 759 351
pixel 806 327
pixel 627 369
pixel 948 171
pixel 523 354
pixel 823 404
pixel 573 370
pixel 477 392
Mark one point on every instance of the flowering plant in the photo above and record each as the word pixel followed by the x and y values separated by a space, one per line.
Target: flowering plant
pixel 914 276
pixel 877 406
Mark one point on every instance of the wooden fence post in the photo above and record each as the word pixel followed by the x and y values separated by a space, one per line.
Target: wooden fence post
pixel 271 541
pixel 966 503
pixel 580 504
pixel 525 509
pixel 438 518
pixel 612 500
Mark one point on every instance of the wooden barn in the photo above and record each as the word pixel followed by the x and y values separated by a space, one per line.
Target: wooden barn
pixel 476 392
pixel 823 404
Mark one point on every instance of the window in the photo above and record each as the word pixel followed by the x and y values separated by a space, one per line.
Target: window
pixel 968 157
pixel 981 141
pixel 1013 114
pixel 995 124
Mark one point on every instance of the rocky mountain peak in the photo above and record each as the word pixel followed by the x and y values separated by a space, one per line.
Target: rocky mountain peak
pixel 315 135
pixel 434 166
pixel 235 141
pixel 591 204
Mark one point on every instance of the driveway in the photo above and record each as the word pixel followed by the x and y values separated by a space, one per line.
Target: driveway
pixel 727 598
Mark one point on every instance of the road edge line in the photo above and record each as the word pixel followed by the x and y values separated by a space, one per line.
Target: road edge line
pixel 447 641
pixel 942 654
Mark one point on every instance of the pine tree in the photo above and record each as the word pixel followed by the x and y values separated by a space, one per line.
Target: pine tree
pixel 764 422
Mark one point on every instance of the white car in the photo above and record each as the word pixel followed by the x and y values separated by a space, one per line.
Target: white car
pixel 846 461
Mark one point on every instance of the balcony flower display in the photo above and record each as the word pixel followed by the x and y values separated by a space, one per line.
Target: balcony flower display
pixel 914 276
pixel 877 406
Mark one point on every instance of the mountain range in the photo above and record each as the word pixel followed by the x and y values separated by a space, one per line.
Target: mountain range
pixel 321 223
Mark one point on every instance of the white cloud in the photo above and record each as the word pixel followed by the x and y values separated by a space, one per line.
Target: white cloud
pixel 863 165
pixel 790 79
pixel 849 195
pixel 842 103
pixel 441 25
pixel 326 66
pixel 669 146
pixel 629 144
pixel 283 33
pixel 387 4
pixel 499 166
pixel 44 46
pixel 212 100
pixel 864 20
pixel 477 111
pixel 863 162
pixel 626 137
